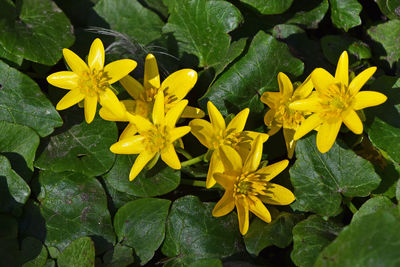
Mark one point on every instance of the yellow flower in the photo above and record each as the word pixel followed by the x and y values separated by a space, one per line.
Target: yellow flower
pixel 247 188
pixel 336 101
pixel 280 115
pixel 90 82
pixel 175 87
pixel 154 138
pixel 213 135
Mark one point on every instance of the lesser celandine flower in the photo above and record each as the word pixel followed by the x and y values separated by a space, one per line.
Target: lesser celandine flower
pixel 213 135
pixel 155 137
pixel 90 82
pixel 280 115
pixel 247 188
pixel 336 101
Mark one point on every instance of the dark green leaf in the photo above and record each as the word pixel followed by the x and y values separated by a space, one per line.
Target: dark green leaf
pixel 391 8
pixel 269 7
pixel 206 262
pixel 73 206
pixel 318 182
pixel 36 30
pixel 315 12
pixel 310 237
pixel 193 233
pixel 9 246
pixel 79 253
pixel 345 14
pixel 235 49
pixel 371 206
pixel 398 191
pixel 201 28
pixel 83 148
pixel 34 254
pixel 22 102
pixel 11 57
pixel 140 224
pixel 119 256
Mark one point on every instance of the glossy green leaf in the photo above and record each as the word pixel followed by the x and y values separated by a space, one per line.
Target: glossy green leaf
pixel 386 35
pixel 310 237
pixel 318 181
pixel 194 234
pixel 74 205
pixel 269 7
pixel 315 12
pixel 139 23
pixel 79 253
pixel 257 69
pixel 36 30
pixel 371 206
pixel 9 245
pixel 83 148
pixel 120 255
pixel 33 253
pixel 390 8
pixel 22 102
pixel 334 45
pixel 11 57
pixel 140 224
pixel 201 28
pixel 345 14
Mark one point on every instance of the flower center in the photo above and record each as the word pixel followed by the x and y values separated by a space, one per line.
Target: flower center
pixel 336 100
pixel 288 117
pixel 250 184
pixel 93 82
pixel 157 138
pixel 149 94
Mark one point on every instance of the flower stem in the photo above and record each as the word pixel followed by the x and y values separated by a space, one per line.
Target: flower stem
pixel 183 152
pixel 193 182
pixel 193 161
pixel 350 205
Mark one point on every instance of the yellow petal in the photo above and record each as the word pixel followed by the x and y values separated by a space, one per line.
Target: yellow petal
pixel 215 167
pixel 133 87
pixel 307 125
pixel 327 134
pixel 253 135
pixel 192 113
pixel 277 195
pixel 174 113
pixel 129 131
pixel 108 115
pixel 96 55
pixel 139 164
pixel 178 132
pixel 64 79
pixel 179 83
pixel 342 69
pixel 269 120
pixel 271 171
pixel 118 69
pixel 360 80
pixel 238 122
pixel 271 99
pixel 110 101
pixel 230 159
pixel 169 156
pixel 352 121
pixel 225 180
pixel 216 118
pixel 129 145
pixel 203 131
pixel 365 99
pixel 90 108
pixel 257 207
pixel 151 75
pixel 70 99
pixel 158 109
pixel 311 104
pixel 242 208
pixel 141 123
pixel 322 80
pixel 225 205
pixel 253 159
pixel 75 63
pixel 305 89
pixel 285 85
pixel 288 134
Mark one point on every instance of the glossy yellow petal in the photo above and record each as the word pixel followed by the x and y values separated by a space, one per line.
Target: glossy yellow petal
pixel 215 167
pixel 307 126
pixel 90 106
pixel 110 101
pixel 64 79
pixel 342 69
pixel 277 195
pixel 108 115
pixel 179 83
pixel 225 205
pixel 242 208
pixel 253 159
pixel 151 75
pixel 311 104
pixel 129 131
pixel 322 80
pixel 225 180
pixel 285 85
pixel 174 113
pixel 253 135
pixel 360 80
pixel 75 63
pixel 230 159
pixel 129 145
pixel 158 109
pixel 169 156
pixel 216 118
pixel 327 134
pixel 203 131
pixel 271 99
pixel 118 69
pixel 273 125
pixel 141 123
pixel 192 113
pixel 96 55
pixel 139 164
pixel 71 98
pixel 365 99
pixel 257 207
pixel 271 171
pixel 130 105
pixel 288 134
pixel 238 122
pixel 132 86
pixel 178 132
pixel 305 89
pixel 352 121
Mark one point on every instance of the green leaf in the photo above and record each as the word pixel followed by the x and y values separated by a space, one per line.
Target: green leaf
pixel 201 28
pixel 310 237
pixel 36 30
pixel 139 23
pixel 310 13
pixel 373 240
pixel 206 262
pixel 34 254
pixel 318 182
pixel 9 245
pixel 390 8
pixel 252 74
pixel 74 205
pixel 235 49
pixel 79 253
pixel 83 148
pixel 371 206
pixel 277 233
pixel 22 102
pixel 157 181
pixel 269 7
pixel 11 57
pixel 345 14
pixel 140 224
pixel 119 256
pixel 193 233
pixel 386 35
pixel 398 191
